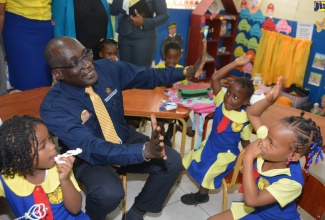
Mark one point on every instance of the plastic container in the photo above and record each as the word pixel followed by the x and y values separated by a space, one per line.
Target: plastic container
pixel 223 28
pixel 229 29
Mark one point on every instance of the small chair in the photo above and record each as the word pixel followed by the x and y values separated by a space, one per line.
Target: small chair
pixel 123 179
pixel 233 178
pixel 312 198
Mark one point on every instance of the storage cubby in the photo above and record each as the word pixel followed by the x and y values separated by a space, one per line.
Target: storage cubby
pixel 220 39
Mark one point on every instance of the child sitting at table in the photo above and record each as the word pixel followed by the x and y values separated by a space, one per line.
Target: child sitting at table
pixel 272 176
pixel 217 155
pixel 172 55
pixel 33 184
pixel 108 49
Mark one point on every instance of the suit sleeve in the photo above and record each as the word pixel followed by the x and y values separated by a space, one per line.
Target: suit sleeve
pixel 160 8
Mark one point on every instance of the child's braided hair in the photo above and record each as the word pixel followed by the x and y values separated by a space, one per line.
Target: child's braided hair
pixel 18 146
pixel 309 137
pixel 104 42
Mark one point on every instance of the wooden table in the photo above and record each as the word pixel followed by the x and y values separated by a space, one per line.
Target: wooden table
pixel 277 111
pixel 22 103
pixel 143 103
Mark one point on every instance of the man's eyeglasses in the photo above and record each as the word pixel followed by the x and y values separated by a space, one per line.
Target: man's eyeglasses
pixel 78 64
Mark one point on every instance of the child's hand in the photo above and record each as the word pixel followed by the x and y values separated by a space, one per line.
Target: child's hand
pixel 242 60
pixel 155 148
pixel 114 58
pixel 254 149
pixel 64 169
pixel 276 90
pixel 196 70
pixel 137 20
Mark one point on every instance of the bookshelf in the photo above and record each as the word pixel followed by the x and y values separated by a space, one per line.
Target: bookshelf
pixel 221 36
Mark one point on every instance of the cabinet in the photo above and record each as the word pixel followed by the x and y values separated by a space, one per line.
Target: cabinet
pixel 220 41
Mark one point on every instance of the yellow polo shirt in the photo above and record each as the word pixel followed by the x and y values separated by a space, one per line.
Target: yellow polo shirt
pixel 31 9
pixel 162 65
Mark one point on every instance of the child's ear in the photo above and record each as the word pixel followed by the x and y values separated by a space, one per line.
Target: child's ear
pixel 101 54
pixel 246 102
pixel 296 156
pixel 57 74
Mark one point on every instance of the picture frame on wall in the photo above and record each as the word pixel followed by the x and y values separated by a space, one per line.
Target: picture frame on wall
pixel 319 61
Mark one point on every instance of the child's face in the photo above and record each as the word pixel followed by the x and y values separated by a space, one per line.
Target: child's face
pixel 172 31
pixel 279 144
pixel 172 57
pixel 235 97
pixel 46 148
pixel 109 51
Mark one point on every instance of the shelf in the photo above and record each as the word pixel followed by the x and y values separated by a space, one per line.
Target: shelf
pixel 224 54
pixel 226 36
pixel 225 24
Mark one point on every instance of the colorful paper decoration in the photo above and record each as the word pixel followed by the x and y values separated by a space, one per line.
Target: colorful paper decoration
pixel 270 9
pixel 283 26
pixel 244 26
pixel 252 54
pixel 243 5
pixel 241 39
pixel 252 43
pixel 320 25
pixel 239 51
pixel 258 16
pixel 248 67
pixel 269 24
pixel 256 31
pixel 253 6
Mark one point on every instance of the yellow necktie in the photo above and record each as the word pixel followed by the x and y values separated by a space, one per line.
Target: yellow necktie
pixel 104 119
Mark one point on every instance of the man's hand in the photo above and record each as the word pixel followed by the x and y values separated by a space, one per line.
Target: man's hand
pixel 137 20
pixel 155 148
pixel 276 90
pixel 196 70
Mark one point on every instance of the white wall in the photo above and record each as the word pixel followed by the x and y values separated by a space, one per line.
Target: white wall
pixel 294 10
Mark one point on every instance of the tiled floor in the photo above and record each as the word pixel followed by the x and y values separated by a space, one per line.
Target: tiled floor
pixel 174 208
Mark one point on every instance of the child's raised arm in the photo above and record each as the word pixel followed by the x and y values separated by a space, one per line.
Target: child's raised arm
pixel 220 74
pixel 255 111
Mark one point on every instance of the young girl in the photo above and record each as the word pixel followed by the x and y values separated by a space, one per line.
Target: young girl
pixel 33 184
pixel 108 49
pixel 217 155
pixel 279 176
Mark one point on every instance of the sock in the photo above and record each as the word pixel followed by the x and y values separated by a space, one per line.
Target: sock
pixel 134 213
pixel 199 196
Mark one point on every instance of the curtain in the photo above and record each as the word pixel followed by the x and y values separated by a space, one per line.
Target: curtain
pixel 281 55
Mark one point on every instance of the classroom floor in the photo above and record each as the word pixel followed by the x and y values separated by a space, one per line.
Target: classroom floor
pixel 173 208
